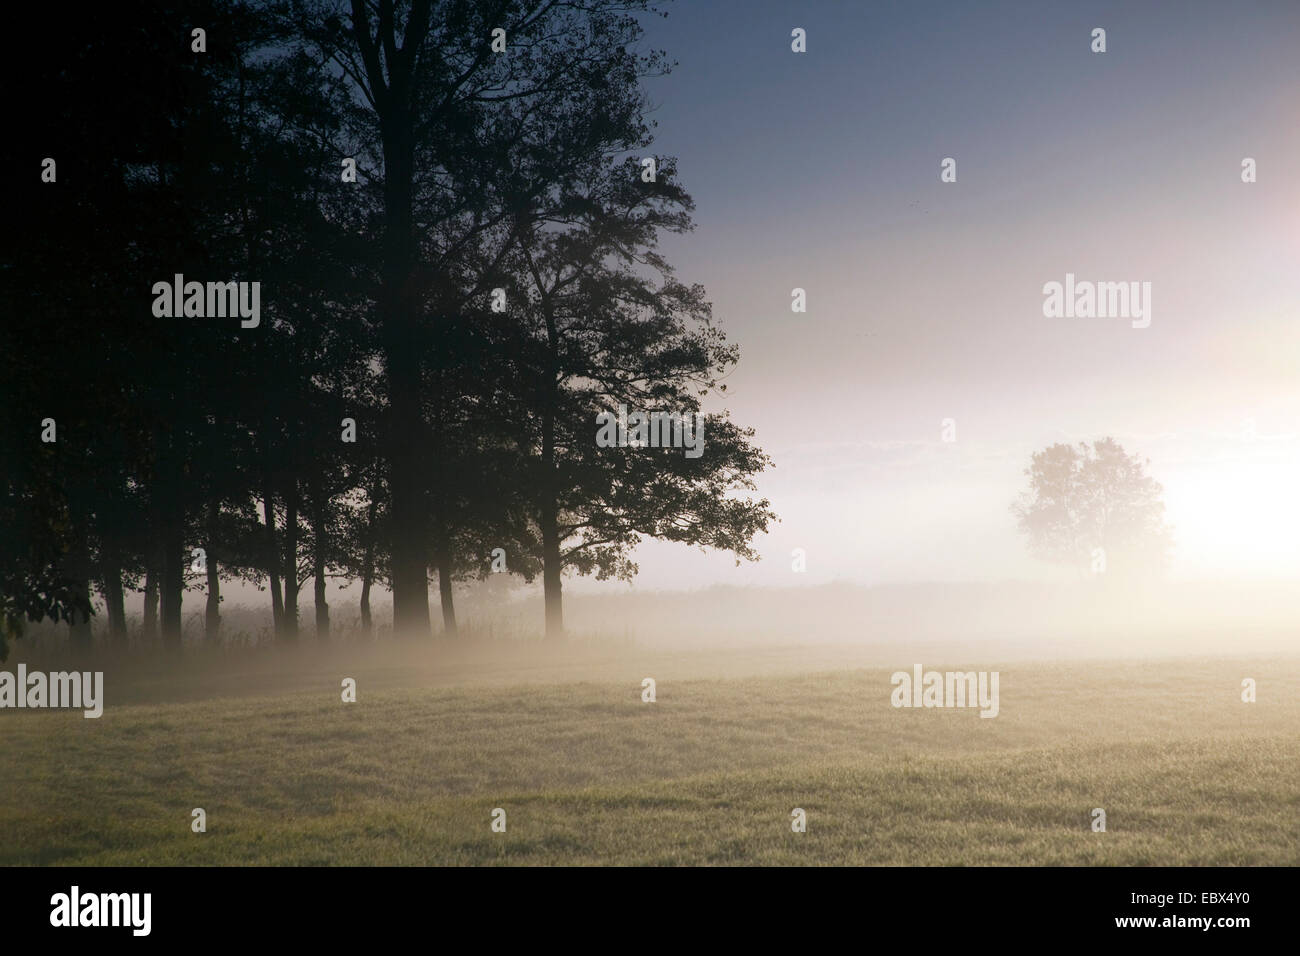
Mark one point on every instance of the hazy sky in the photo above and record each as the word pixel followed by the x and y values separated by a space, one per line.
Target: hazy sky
pixel 925 299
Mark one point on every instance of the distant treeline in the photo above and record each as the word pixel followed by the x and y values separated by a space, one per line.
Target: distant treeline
pixel 434 228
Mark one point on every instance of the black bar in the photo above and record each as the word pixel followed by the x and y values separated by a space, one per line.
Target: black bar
pixel 959 907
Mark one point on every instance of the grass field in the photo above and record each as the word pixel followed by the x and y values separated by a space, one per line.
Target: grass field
pixel 707 774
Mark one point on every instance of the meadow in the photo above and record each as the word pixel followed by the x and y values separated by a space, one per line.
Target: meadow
pixel 708 773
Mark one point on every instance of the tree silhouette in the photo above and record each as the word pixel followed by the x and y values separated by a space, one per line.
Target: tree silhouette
pixel 605 324
pixel 477 169
pixel 1087 497
pixel 453 137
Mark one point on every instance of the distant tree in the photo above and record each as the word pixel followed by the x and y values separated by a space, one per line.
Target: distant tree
pixel 1087 497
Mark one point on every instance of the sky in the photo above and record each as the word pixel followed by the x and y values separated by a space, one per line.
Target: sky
pixel 821 170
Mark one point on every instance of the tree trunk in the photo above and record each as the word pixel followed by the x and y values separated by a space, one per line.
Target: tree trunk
pixel 398 306
pixel 319 546
pixel 444 587
pixel 409 558
pixel 273 560
pixel 111 574
pixel 212 618
pixel 368 570
pixel 291 561
pixel 551 567
pixel 549 511
pixel 169 510
pixel 322 609
pixel 367 625
pixel 153 558
pixel 150 622
pixel 438 490
pixel 173 584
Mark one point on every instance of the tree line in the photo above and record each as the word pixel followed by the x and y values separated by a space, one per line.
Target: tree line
pixel 453 211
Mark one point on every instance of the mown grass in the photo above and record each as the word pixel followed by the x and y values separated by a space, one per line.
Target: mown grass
pixel 708 774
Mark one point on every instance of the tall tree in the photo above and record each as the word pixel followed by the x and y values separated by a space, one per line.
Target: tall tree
pixel 607 331
pixel 450 133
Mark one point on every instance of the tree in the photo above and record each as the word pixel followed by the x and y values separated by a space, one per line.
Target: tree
pixel 469 426
pixel 34 529
pixel 605 325
pixel 1087 502
pixel 177 166
pixel 452 138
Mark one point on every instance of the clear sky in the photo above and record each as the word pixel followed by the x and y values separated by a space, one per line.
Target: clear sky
pixel 925 299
